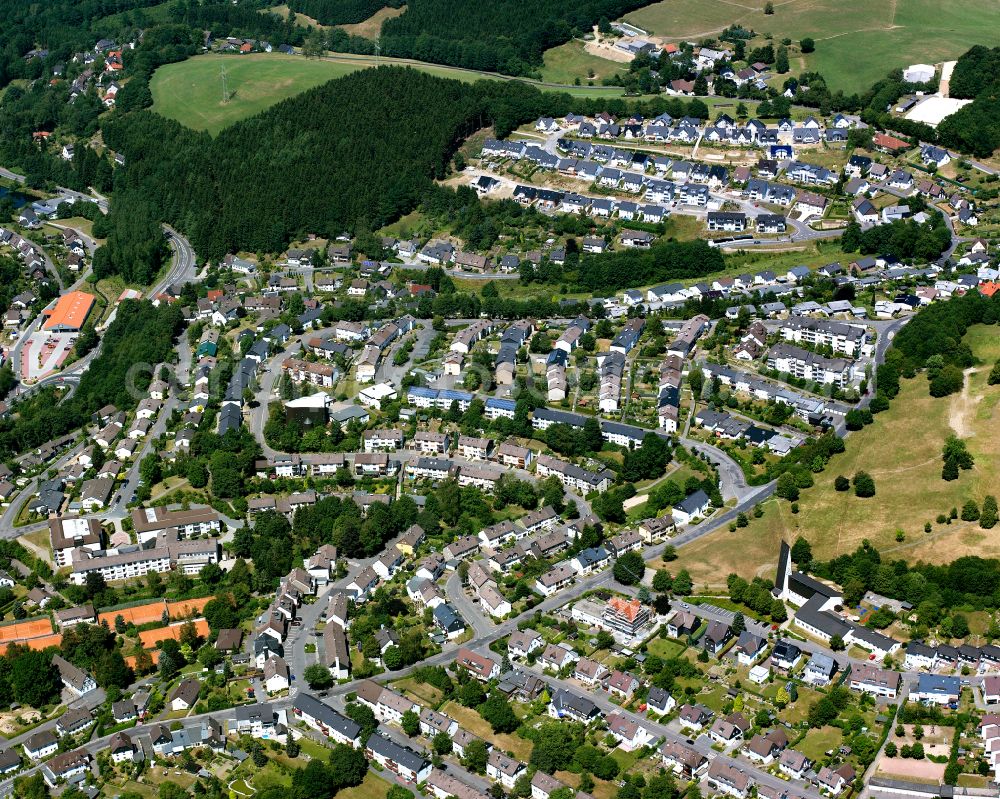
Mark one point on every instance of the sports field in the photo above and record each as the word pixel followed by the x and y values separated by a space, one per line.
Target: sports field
pixel 857 41
pixel 191 91
pixel 150 638
pixel 902 452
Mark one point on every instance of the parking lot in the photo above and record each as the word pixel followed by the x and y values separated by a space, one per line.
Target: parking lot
pixel 44 353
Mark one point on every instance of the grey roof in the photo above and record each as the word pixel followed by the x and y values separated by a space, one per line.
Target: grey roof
pixel 402 755
pixel 329 717
pixel 693 503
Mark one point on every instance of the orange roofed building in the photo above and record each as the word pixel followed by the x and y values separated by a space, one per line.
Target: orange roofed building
pixel 989 288
pixel 628 616
pixel 890 144
pixel 69 313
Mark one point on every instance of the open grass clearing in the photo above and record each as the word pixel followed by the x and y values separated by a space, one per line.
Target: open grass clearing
pixel 191 91
pixel 665 648
pixel 469 719
pixel 424 693
pixel 301 20
pixel 372 788
pixel 371 27
pixel 569 61
pixel 817 742
pixel 902 452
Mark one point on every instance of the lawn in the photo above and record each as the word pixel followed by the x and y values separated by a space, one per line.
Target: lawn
pixel 468 719
pixel 422 692
pixel 372 788
pixel 909 488
pixel 665 648
pixel 818 742
pixel 890 33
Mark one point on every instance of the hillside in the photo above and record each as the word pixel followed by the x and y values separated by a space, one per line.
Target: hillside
pixel 352 154
pixel 901 450
pixel 857 41
pixel 506 36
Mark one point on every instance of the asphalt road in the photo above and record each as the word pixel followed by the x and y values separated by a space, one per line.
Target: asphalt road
pixel 182 267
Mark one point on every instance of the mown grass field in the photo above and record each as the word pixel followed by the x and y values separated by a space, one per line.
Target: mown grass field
pixel 191 91
pixel 857 41
pixel 902 452
pixel 372 788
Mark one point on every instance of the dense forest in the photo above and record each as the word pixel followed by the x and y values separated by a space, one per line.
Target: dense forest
pixel 60 27
pixel 666 260
pixel 343 12
pixel 507 36
pixel 350 155
pixel 140 334
pixel 975 128
pixel 968 581
pixel 904 238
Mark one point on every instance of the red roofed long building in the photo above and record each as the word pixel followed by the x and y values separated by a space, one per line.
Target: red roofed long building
pixel 69 313
pixel 883 141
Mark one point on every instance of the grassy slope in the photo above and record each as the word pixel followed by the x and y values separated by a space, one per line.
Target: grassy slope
pixel 191 91
pixel 890 33
pixel 370 27
pixel 902 451
pixel 300 19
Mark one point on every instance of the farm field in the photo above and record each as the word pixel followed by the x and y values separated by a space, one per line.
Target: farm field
pixel 891 33
pixel 902 452
pixel 191 91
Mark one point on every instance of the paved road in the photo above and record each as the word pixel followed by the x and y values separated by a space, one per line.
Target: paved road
pixel 182 269
pixel 732 481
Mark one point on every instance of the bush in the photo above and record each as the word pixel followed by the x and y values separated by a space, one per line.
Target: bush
pixel 841 483
pixel 988 518
pixel 864 485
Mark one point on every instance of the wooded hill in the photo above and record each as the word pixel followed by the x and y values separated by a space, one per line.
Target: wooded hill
pixel 976 127
pixel 342 12
pixel 508 36
pixel 350 155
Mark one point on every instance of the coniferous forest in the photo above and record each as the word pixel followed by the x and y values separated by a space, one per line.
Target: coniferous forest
pixel 350 155
pixel 507 36
pixel 343 12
